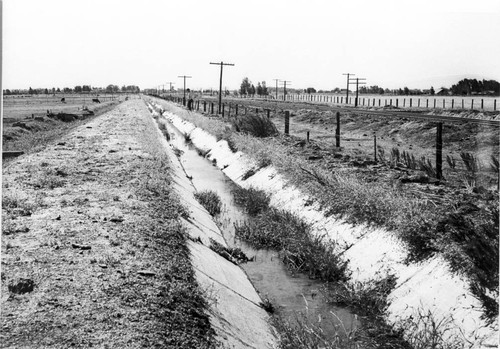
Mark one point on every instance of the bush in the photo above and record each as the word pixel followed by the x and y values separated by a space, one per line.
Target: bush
pixel 258 126
pixel 254 201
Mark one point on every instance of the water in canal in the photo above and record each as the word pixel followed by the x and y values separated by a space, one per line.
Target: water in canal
pixel 293 295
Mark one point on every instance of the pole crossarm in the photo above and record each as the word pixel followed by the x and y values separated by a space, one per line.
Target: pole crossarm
pixel 222 64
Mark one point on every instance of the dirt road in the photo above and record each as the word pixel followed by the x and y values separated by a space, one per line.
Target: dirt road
pixel 92 251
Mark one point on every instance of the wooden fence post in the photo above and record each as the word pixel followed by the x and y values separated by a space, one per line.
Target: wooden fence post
pixel 223 107
pixel 375 146
pixel 452 103
pixel 443 103
pixel 482 103
pixel 337 131
pixel 204 106
pixel 236 110
pixel 472 105
pixel 434 103
pixel 439 151
pixel 494 105
pixel 287 122
pixel 307 136
pixel 211 107
pixel 268 113
pixel 410 102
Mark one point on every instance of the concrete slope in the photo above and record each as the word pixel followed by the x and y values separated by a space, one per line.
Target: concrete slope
pixel 237 317
pixel 425 287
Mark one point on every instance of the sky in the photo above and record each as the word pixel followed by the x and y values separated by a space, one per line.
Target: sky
pixel 390 43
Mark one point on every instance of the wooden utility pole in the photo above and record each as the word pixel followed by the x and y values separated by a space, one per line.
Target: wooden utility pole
pixel 184 97
pixel 276 87
pixel 284 88
pixel 220 82
pixel 357 88
pixel 347 97
pixel 170 82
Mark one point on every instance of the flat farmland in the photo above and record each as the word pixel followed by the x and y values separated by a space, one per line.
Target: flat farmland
pixel 26 123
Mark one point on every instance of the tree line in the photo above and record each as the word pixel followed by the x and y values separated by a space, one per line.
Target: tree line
pixel 77 89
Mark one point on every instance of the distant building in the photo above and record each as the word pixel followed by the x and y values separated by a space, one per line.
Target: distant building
pixel 442 92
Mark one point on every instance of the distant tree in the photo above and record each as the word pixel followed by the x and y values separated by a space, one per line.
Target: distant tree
pixel 30 91
pixel 86 88
pixel 46 91
pixel 252 90
pixel 310 90
pixel 432 92
pixel 58 90
pixel 6 92
pixel 67 90
pixel 259 89
pixel 265 92
pixel 77 89
pixel 406 91
pixel 245 86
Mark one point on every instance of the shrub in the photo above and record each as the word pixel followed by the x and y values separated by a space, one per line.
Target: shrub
pixel 258 126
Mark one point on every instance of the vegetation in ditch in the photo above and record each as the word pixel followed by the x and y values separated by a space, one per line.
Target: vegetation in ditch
pixel 210 200
pixel 256 125
pixel 233 254
pixel 425 228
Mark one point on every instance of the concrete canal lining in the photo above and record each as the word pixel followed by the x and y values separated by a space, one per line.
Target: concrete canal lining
pixel 426 287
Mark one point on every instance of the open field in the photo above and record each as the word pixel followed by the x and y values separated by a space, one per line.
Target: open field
pixel 26 122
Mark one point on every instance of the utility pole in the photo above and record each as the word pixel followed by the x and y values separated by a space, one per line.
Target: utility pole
pixel 347 96
pixel 184 98
pixel 357 88
pixel 276 87
pixel 170 90
pixel 284 90
pixel 220 83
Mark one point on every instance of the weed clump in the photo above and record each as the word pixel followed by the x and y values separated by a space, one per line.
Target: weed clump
pixel 254 201
pixel 210 200
pixel 233 254
pixel 257 126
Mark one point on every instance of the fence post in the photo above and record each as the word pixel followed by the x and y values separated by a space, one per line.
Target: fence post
pixel 494 105
pixel 307 136
pixel 204 106
pixel 434 103
pixel 439 151
pixel 379 102
pixel 236 110
pixel 482 103
pixel 287 122
pixel 410 102
pixel 223 107
pixel 337 131
pixel 229 111
pixel 268 113
pixel 375 146
pixel 404 102
pixel 419 102
pixel 257 111
pixel 452 103
pixel 211 107
pixel 462 103
pixel 444 103
pixel 427 103
pixel 472 105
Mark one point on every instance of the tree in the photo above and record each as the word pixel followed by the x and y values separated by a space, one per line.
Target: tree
pixel 46 91
pixel 264 89
pixel 252 90
pixel 406 91
pixel 432 92
pixel 245 86
pixel 310 90
pixel 86 88
pixel 58 90
pixel 78 89
pixel 30 91
pixel 259 89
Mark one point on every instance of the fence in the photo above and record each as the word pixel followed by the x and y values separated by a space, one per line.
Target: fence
pixel 484 103
pixel 434 168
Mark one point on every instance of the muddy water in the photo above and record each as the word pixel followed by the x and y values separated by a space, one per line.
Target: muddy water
pixel 294 296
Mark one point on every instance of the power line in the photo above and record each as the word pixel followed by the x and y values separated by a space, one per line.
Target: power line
pixel 276 87
pixel 357 84
pixel 222 64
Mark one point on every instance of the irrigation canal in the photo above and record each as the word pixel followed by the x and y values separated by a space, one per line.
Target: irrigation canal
pixel 293 296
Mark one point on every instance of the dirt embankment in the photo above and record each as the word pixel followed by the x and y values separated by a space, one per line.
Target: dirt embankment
pixel 92 250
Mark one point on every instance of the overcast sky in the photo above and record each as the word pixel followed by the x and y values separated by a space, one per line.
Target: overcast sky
pixel 391 43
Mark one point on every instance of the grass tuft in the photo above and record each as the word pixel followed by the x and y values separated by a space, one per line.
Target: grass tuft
pixel 210 200
pixel 257 126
